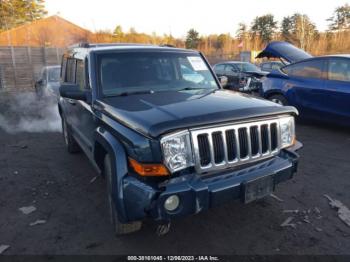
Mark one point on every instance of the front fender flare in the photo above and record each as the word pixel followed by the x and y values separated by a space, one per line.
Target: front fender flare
pixel 119 165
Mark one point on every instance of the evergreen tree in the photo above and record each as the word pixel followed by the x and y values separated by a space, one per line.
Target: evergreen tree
pixel 340 19
pixel 265 27
pixel 192 39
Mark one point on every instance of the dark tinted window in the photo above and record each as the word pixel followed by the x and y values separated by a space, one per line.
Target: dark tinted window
pixel 312 69
pixel 80 74
pixel 339 69
pixel 247 67
pixel 63 66
pixel 276 65
pixel 70 70
pixel 220 68
pixel 229 69
pixel 266 66
pixel 54 74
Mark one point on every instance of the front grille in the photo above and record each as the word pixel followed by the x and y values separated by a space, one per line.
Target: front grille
pixel 231 145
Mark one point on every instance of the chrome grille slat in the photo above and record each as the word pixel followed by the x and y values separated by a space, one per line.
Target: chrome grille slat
pixel 230 135
pixel 211 148
pixel 249 143
pixel 260 142
pixel 223 135
pixel 269 137
pixel 238 146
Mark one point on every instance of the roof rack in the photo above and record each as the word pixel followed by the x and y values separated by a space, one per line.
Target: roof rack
pixel 92 45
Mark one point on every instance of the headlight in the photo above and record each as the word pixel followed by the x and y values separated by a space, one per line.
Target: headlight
pixel 287 131
pixel 177 151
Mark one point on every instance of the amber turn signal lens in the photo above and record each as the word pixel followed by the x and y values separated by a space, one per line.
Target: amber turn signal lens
pixel 148 169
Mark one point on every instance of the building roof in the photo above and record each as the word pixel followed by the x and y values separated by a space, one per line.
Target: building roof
pixel 51 31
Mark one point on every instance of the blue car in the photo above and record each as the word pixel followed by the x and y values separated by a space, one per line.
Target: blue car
pixel 319 87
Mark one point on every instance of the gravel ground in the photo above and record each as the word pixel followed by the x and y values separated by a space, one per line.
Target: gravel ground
pixel 35 169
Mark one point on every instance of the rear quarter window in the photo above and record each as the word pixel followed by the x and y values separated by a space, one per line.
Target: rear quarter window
pixel 339 70
pixel 307 69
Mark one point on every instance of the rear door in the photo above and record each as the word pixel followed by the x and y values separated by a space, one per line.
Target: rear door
pixel 338 84
pixel 306 86
pixel 83 119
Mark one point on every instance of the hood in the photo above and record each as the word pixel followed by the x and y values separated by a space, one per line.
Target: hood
pixel 284 50
pixel 163 112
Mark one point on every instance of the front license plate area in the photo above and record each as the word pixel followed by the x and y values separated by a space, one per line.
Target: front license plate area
pixel 258 188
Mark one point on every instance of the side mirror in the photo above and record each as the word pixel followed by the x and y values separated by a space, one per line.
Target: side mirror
pixel 72 91
pixel 223 81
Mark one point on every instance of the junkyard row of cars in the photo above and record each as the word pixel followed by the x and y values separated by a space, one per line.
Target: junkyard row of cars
pixel 170 141
pixel 319 87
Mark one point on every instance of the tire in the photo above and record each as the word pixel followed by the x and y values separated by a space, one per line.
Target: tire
pixel 279 99
pixel 119 228
pixel 71 144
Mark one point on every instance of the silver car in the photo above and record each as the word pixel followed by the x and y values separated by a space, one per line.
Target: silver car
pixel 48 81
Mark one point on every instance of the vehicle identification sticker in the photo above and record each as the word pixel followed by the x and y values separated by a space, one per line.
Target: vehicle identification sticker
pixel 197 63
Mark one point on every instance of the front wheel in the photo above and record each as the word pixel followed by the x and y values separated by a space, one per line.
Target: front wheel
pixel 119 228
pixel 279 99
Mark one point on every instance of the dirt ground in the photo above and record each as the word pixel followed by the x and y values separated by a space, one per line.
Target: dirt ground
pixel 35 169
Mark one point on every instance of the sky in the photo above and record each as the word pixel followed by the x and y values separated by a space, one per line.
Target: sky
pixel 178 16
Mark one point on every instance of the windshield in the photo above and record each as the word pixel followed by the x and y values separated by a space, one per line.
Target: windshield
pixel 54 74
pixel 247 67
pixel 129 72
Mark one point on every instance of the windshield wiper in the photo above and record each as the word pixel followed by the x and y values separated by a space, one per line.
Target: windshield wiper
pixel 192 88
pixel 134 93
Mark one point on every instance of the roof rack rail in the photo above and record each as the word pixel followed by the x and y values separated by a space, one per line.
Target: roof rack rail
pixel 91 45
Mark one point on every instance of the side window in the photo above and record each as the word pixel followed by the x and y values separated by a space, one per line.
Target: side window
pixel 70 70
pixel 266 67
pixel 275 66
pixel 309 69
pixel 219 69
pixel 339 69
pixel 229 69
pixel 44 75
pixel 80 74
pixel 63 68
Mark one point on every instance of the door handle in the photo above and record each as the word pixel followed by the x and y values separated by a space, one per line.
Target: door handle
pixel 72 102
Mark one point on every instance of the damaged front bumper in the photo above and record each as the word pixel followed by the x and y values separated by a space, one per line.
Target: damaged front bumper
pixel 197 192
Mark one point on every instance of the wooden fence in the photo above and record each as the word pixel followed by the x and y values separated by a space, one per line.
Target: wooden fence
pixel 20 66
